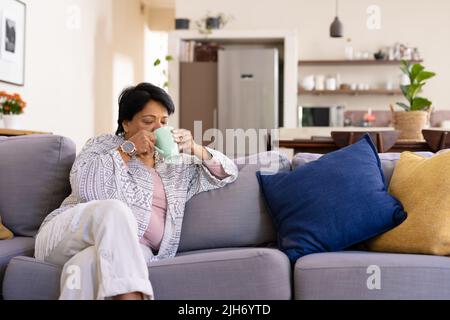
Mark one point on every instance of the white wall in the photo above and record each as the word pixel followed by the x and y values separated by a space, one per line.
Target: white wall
pixel 424 24
pixel 73 74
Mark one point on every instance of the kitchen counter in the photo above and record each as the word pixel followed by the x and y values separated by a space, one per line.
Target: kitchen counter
pixel 316 133
pixel 318 140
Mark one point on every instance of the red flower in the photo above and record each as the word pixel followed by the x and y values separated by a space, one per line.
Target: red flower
pixel 12 103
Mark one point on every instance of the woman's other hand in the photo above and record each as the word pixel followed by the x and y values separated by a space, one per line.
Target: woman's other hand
pixel 184 140
pixel 187 144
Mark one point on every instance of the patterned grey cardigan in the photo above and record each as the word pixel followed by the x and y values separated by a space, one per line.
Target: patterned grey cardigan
pixel 99 173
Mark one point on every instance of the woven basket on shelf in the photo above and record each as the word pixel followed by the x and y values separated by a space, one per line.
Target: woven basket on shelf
pixel 411 123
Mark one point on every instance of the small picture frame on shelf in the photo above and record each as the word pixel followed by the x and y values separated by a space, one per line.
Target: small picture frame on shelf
pixel 12 41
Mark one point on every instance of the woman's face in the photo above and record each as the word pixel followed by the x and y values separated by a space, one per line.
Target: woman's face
pixel 151 118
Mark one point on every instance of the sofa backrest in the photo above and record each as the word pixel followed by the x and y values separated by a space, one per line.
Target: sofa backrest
pixel 235 215
pixel 388 161
pixel 34 179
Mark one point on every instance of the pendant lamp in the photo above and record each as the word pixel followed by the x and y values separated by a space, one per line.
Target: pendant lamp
pixel 336 28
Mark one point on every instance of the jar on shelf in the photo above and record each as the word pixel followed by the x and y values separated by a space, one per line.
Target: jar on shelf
pixel 308 83
pixel 320 82
pixel 349 50
pixel 330 84
pixel 416 54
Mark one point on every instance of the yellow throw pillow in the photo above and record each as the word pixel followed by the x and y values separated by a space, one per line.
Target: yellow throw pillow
pixel 423 187
pixel 5 234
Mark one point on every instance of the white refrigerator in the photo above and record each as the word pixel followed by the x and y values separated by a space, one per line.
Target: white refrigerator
pixel 248 82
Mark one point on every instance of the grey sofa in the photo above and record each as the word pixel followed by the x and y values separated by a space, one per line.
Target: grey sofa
pixel 227 248
pixel 345 275
pixel 228 243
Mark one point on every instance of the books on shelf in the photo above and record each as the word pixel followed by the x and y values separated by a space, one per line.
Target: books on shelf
pixel 187 50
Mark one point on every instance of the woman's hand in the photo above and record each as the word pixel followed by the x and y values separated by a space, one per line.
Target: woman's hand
pixel 184 140
pixel 144 142
pixel 187 144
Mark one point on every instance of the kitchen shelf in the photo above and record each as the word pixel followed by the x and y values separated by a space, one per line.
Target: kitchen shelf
pixel 351 92
pixel 352 62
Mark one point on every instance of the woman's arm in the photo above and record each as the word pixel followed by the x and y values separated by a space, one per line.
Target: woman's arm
pixel 99 170
pixel 201 178
pixel 125 156
pixel 216 169
pixel 201 152
pixel 214 166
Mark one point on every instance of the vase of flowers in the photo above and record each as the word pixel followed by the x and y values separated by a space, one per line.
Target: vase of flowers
pixel 12 107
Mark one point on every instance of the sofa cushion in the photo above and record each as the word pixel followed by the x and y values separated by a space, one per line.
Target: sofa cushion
pixel 227 274
pixel 223 274
pixel 29 279
pixel 370 275
pixel 19 246
pixel 233 216
pixel 332 203
pixel 423 187
pixel 5 233
pixel 34 179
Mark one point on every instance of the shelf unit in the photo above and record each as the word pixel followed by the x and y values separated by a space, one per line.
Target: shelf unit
pixel 352 62
pixel 350 92
pixel 345 63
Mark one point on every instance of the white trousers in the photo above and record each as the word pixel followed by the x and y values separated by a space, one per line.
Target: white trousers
pixel 98 246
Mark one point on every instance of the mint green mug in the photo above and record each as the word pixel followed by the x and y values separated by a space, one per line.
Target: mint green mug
pixel 165 144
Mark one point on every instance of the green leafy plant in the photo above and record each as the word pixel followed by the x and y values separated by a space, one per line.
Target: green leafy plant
pixel 417 77
pixel 157 64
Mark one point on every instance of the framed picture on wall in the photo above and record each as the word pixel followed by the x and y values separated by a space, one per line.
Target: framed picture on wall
pixel 12 41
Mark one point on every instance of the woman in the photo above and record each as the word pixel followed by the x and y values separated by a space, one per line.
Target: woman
pixel 127 204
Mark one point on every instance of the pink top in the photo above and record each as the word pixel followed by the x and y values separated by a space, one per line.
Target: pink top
pixel 155 231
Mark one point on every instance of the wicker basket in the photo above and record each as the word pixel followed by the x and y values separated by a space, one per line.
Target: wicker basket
pixel 411 123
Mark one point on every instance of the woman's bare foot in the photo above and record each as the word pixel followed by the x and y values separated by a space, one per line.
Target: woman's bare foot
pixel 130 296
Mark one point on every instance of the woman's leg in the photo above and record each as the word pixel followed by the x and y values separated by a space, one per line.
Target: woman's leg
pixel 108 230
pixel 79 276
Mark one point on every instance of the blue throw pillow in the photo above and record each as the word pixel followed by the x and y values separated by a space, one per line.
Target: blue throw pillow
pixel 332 203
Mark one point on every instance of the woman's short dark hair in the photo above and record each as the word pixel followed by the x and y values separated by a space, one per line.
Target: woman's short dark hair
pixel 132 100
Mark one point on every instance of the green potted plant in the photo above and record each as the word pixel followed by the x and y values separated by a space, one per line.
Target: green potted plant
pixel 417 110
pixel 157 64
pixel 208 23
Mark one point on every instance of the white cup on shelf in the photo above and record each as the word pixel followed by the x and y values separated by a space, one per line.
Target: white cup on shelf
pixel 404 80
pixel 330 84
pixel 308 83
pixel 349 52
pixel 320 82
pixel 389 85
